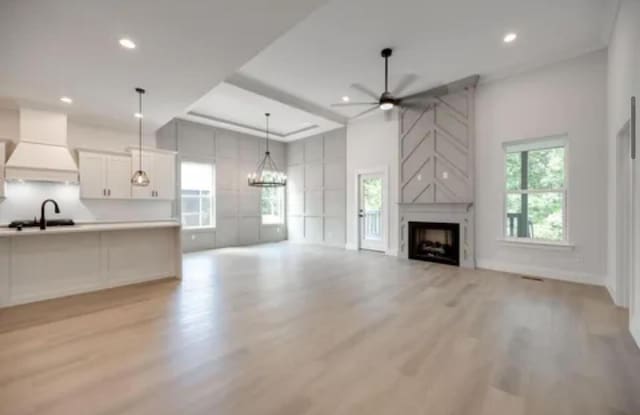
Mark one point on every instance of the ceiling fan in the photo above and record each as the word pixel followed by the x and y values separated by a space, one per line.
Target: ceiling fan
pixel 389 100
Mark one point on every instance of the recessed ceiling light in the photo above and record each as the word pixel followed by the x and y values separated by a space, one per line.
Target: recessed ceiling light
pixel 345 99
pixel 510 37
pixel 138 115
pixel 127 43
pixel 66 100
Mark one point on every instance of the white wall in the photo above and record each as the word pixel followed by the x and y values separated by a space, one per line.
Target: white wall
pixel 23 200
pixel 623 81
pixel 372 143
pixel 565 98
pixel 316 168
pixel 238 215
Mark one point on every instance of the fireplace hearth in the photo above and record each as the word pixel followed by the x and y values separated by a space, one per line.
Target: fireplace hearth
pixel 435 242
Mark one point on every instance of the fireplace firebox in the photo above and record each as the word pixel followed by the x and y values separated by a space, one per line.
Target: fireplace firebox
pixel 435 242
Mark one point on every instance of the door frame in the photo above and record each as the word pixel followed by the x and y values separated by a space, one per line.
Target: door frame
pixel 384 171
pixel 625 264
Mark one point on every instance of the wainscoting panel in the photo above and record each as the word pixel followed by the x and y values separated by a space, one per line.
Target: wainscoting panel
pixel 316 188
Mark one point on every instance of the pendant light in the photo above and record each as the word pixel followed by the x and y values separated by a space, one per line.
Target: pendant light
pixel 267 173
pixel 140 177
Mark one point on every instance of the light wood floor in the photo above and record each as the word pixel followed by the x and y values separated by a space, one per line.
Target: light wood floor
pixel 295 330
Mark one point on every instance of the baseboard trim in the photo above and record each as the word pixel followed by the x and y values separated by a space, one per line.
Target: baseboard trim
pixel 549 273
pixel 391 252
pixel 351 246
pixel 612 292
pixel 635 330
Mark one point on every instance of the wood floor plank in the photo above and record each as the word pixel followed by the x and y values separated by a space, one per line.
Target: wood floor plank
pixel 304 330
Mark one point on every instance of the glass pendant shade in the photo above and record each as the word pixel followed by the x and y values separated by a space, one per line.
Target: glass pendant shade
pixel 140 177
pixel 267 173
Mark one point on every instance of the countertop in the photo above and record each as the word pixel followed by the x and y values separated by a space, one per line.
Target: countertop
pixel 89 227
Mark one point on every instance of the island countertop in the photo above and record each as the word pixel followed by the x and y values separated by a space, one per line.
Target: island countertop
pixel 89 227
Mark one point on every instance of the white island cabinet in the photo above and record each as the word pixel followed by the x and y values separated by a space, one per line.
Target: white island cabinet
pixel 59 261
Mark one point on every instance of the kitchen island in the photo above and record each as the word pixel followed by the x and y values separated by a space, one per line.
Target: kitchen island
pixel 41 264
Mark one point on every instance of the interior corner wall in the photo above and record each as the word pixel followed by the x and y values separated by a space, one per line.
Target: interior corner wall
pixel 564 98
pixel 238 216
pixel 316 189
pixel 623 81
pixel 372 143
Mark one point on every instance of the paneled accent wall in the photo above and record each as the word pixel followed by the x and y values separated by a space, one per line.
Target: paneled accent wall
pixel 316 190
pixel 436 151
pixel 238 217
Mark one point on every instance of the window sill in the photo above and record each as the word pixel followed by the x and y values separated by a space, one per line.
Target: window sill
pixel 536 243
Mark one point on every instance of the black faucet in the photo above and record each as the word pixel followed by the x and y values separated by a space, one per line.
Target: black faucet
pixel 43 221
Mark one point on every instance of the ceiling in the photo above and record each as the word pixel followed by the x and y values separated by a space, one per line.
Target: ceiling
pixel 231 107
pixel 436 40
pixel 184 48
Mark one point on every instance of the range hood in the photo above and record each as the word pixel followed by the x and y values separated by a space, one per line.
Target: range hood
pixel 41 153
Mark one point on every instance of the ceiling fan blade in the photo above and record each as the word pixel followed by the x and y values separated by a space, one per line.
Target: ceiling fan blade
pixel 405 81
pixel 353 104
pixel 442 90
pixel 364 112
pixel 365 90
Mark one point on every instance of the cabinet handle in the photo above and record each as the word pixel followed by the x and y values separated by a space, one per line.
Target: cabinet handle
pixel 109 192
pixel 104 192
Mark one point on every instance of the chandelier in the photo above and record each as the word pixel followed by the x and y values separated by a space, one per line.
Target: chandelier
pixel 267 173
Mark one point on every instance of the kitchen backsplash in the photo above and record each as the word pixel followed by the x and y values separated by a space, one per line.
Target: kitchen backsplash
pixel 23 201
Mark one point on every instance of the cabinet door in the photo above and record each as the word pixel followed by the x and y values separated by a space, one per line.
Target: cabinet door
pixel 164 169
pixel 140 192
pixel 93 176
pixel 119 177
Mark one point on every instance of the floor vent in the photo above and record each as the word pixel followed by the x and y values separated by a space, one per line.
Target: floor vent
pixel 526 277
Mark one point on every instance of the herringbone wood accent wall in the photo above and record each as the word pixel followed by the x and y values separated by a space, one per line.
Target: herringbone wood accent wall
pixel 436 150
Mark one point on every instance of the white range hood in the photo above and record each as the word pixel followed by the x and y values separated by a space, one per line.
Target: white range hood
pixel 42 153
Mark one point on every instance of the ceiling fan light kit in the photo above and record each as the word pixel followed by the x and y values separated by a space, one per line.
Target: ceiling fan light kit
pixel 388 101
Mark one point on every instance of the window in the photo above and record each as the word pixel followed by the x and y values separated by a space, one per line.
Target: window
pixel 198 195
pixel 272 205
pixel 536 189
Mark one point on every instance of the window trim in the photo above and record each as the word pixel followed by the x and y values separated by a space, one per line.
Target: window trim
pixel 213 194
pixel 529 144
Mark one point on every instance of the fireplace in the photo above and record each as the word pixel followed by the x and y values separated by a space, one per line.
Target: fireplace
pixel 435 242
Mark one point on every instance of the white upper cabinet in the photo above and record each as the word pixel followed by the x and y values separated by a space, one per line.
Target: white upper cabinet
pixel 164 168
pixel 161 169
pixel 104 176
pixel 118 177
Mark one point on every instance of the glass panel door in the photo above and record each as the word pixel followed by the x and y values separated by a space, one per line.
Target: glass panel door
pixel 371 212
